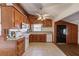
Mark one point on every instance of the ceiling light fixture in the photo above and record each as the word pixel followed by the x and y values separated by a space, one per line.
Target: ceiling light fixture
pixel 41 15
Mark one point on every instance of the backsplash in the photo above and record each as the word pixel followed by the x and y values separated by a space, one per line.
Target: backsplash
pixel 47 29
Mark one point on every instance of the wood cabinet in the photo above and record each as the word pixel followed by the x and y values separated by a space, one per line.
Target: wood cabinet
pixel 47 23
pixel 25 20
pixel 18 17
pixel 13 47
pixel 11 17
pixel 7 16
pixel 20 46
pixel 37 38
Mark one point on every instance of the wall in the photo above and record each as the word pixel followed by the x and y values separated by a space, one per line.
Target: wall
pixel 76 21
pixel 72 29
pixel 47 26
pixel 33 20
pixel 74 18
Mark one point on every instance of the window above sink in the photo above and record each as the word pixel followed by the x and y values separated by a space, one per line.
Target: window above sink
pixel 36 27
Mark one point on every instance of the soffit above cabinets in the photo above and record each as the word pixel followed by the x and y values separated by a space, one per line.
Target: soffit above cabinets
pixel 56 11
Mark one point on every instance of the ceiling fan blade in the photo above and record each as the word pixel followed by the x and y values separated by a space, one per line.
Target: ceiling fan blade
pixel 42 16
pixel 39 18
pixel 37 14
pixel 45 15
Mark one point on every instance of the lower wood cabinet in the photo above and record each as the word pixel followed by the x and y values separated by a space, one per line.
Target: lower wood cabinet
pixel 20 46
pixel 13 47
pixel 37 38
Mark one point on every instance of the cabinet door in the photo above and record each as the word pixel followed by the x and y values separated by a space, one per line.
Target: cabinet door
pixel 43 37
pixel 37 38
pixel 31 38
pixel 7 17
pixel 21 18
pixel 47 23
pixel 25 20
pixel 20 46
pixel 17 15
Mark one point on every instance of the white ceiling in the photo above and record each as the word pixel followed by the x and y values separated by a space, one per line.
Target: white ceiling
pixel 74 18
pixel 56 11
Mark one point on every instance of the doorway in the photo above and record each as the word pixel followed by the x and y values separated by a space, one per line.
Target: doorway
pixel 61 33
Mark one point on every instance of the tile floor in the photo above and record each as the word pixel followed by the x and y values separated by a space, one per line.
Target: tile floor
pixel 43 49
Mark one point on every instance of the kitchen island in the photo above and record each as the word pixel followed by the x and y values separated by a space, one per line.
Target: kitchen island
pixel 19 44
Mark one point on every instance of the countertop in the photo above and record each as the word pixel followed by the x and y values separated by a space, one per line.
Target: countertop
pixel 40 32
pixel 26 35
pixel 15 38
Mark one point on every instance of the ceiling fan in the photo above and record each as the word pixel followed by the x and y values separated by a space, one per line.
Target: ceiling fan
pixel 42 15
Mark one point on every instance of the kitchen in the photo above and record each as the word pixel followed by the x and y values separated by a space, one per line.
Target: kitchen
pixel 30 29
pixel 20 30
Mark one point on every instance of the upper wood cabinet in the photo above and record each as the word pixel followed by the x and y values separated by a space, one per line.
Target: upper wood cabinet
pixel 25 20
pixel 7 18
pixel 17 17
pixel 47 23
pixel 11 17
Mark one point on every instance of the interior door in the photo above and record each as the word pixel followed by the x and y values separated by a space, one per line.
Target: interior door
pixel 61 33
